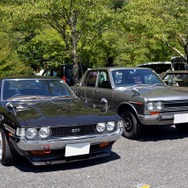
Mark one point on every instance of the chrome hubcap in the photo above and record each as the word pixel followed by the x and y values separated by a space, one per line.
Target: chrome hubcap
pixel 1 146
pixel 128 125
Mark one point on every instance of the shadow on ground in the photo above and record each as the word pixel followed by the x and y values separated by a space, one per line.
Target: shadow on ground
pixel 148 134
pixel 25 166
pixel 161 133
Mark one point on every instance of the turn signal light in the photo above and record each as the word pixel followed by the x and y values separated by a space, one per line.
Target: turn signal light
pixel 39 152
pixel 105 144
pixel 154 113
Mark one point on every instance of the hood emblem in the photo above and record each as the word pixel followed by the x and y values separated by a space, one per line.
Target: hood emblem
pixel 77 130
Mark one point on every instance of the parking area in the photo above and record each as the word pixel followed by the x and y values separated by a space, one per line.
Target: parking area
pixel 157 160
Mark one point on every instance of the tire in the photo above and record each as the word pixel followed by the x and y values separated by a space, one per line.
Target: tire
pixel 132 128
pixel 182 127
pixel 6 154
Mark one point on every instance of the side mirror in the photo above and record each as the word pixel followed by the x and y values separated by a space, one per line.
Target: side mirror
pixel 10 106
pixel 135 91
pixel 105 103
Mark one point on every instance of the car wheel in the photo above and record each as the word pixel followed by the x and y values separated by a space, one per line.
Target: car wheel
pixel 6 154
pixel 182 127
pixel 132 128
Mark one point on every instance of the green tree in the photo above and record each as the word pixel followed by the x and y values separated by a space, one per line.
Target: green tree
pixel 78 22
pixel 10 63
pixel 44 50
pixel 161 20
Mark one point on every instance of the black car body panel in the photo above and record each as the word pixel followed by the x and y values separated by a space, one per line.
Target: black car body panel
pixel 69 111
pixel 52 127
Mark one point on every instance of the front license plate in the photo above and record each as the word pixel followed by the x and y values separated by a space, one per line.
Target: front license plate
pixel 180 118
pixel 77 149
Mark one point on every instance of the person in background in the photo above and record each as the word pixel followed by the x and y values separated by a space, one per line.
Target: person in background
pixel 110 62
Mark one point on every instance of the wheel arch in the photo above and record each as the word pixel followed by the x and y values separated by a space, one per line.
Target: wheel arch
pixel 126 106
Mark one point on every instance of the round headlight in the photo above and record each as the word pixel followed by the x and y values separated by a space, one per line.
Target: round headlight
pixel 44 132
pixel 101 127
pixel 110 126
pixel 158 106
pixel 150 106
pixel 31 133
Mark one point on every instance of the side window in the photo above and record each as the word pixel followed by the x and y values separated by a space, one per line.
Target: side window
pixel 117 77
pixel 90 79
pixel 104 81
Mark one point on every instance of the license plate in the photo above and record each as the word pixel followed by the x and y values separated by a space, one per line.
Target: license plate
pixel 180 118
pixel 77 149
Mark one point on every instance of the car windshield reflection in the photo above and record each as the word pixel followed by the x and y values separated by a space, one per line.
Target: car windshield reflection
pixel 135 77
pixel 14 89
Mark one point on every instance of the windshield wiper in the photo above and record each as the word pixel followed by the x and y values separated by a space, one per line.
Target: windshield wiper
pixel 26 97
pixel 137 85
pixel 157 84
pixel 61 97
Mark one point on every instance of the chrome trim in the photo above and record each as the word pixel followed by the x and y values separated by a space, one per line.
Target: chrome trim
pixel 1 145
pixel 156 119
pixel 60 143
pixel 10 129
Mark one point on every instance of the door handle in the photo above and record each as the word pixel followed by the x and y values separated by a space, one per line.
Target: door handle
pixel 96 90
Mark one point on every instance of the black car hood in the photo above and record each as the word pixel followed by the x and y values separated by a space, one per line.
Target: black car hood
pixel 162 93
pixel 59 113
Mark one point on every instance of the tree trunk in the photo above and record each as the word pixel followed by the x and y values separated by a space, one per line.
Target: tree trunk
pixel 75 66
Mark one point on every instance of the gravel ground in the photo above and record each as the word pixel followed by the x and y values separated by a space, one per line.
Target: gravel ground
pixel 157 160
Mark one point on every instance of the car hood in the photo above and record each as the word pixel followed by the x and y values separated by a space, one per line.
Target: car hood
pixel 163 93
pixel 59 113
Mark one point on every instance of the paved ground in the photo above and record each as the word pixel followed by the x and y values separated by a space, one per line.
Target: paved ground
pixel 158 160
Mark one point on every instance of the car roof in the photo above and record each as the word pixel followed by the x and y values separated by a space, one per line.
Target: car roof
pixel 163 74
pixel 177 72
pixel 156 63
pixel 120 68
pixel 29 77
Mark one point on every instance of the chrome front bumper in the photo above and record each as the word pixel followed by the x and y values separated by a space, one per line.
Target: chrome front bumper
pixel 160 119
pixel 60 143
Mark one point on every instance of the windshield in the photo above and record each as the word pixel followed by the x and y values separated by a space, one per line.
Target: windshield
pixel 12 88
pixel 131 77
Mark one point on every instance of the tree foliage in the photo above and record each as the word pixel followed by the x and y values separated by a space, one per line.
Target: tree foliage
pixel 42 33
pixel 164 20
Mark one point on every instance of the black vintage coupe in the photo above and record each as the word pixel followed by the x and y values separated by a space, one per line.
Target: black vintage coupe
pixel 42 119
pixel 138 95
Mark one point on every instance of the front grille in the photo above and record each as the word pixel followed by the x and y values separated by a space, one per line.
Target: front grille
pixel 175 106
pixel 74 130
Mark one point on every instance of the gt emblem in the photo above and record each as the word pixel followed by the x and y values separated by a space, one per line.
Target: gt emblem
pixel 75 130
